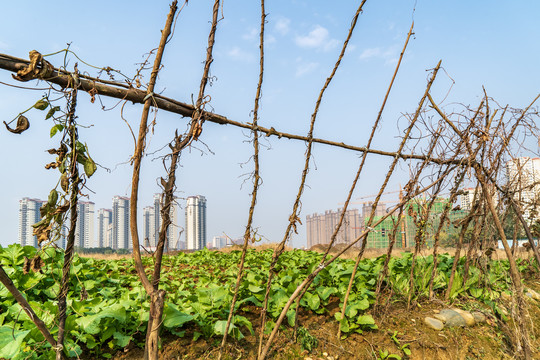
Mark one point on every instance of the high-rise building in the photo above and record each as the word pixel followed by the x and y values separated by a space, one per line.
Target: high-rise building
pixel 120 222
pixel 152 221
pixel 149 227
pixel 320 227
pixel 367 207
pixel 466 198
pixel 196 222
pixel 104 223
pixel 84 231
pixel 523 176
pixel 28 216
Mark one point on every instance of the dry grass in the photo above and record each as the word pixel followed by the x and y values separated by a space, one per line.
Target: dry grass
pixel 260 247
pixel 106 256
pixel 352 253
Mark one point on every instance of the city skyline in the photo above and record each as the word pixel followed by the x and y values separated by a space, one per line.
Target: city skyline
pixel 302 45
pixel 96 229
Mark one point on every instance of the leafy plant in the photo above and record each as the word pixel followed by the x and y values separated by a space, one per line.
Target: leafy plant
pixel 307 341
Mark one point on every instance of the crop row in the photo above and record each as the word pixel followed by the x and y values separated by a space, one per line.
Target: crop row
pixel 108 308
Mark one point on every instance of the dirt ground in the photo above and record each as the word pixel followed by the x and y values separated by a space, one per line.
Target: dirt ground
pixel 398 330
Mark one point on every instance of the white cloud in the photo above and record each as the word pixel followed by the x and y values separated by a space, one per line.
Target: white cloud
pixel 306 68
pixel 282 26
pixel 369 53
pixel 317 38
pixel 238 54
pixel 251 34
pixel 389 54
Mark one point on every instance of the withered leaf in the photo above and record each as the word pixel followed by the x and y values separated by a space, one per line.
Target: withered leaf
pixel 52 165
pixel 64 182
pixel 37 263
pixel 84 294
pixel 26 265
pixel 61 209
pixel 43 233
pixel 22 125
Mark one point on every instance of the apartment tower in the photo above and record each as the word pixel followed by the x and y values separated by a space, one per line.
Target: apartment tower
pixel 84 231
pixel 196 222
pixel 28 216
pixel 152 220
pixel 120 222
pixel 104 225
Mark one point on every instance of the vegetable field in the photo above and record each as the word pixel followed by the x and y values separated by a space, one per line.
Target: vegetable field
pixel 57 305
pixel 108 308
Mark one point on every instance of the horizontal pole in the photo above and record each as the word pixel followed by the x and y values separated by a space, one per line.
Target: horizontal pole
pixel 125 92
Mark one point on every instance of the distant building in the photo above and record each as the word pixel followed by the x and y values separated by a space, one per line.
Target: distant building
pixel 104 228
pixel 196 222
pixel 149 227
pixel 367 207
pixel 320 227
pixel 523 175
pixel 219 242
pixel 84 231
pixel 466 199
pixel 405 228
pixel 28 216
pixel 152 219
pixel 120 222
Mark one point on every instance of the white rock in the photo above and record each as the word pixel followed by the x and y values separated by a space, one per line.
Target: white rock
pixel 434 323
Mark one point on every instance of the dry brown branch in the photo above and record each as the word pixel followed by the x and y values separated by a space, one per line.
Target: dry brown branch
pixel 141 144
pixel 293 218
pixel 68 253
pixel 361 166
pixel 523 339
pixel 442 220
pixel 10 63
pixel 157 297
pixel 21 300
pixel 362 237
pixel 256 179
pixel 385 183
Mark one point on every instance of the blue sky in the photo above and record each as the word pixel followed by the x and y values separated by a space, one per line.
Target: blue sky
pixel 491 44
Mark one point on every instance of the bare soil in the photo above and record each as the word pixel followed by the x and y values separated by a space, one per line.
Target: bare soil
pixel 489 340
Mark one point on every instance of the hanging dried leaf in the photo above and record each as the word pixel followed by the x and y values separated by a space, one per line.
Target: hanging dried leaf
pixel 22 125
pixel 64 182
pixel 43 233
pixel 61 209
pixel 26 265
pixel 37 263
pixel 52 165
pixel 84 294
pixel 38 68
pixel 44 210
pixel 53 198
